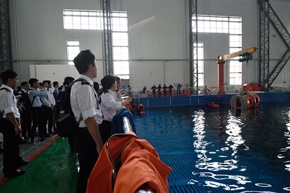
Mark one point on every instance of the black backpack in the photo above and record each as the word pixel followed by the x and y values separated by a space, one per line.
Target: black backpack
pixel 26 101
pixel 64 119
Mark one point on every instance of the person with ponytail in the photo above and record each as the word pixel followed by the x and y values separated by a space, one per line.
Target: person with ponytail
pixel 109 105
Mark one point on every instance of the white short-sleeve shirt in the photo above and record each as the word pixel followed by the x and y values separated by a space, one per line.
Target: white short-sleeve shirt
pixel 110 104
pixel 84 101
pixel 8 102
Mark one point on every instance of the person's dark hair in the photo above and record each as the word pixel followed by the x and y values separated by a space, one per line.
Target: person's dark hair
pixel 48 81
pixel 60 88
pixel 96 86
pixel 40 84
pixel 68 80
pixel 55 83
pixel 83 60
pixel 23 83
pixel 118 79
pixel 18 89
pixel 32 81
pixel 107 82
pixel 8 74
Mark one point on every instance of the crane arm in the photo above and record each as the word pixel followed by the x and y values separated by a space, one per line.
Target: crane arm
pixel 223 58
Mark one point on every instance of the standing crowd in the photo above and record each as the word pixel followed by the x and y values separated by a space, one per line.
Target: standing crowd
pixel 31 109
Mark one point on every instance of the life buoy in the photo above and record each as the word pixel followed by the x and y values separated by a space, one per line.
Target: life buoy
pixel 186 92
pixel 257 99
pixel 248 101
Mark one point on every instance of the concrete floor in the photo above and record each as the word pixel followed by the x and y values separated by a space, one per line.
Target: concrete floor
pixel 26 150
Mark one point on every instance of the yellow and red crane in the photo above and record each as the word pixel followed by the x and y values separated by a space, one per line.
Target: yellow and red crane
pixel 245 55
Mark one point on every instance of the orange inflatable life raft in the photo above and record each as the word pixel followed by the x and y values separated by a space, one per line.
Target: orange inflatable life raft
pixel 213 105
pixel 125 164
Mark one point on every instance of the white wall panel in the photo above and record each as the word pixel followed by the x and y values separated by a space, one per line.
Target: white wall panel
pixel 55 72
pixel 214 45
pixel 157 30
pixel 39 36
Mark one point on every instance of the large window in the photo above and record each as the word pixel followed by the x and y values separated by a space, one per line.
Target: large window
pixel 224 24
pixel 92 20
pixel 82 19
pixel 120 44
pixel 200 58
pixel 73 48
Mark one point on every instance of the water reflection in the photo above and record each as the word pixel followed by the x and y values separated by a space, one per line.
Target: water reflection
pixel 234 130
pixel 284 152
pixel 212 158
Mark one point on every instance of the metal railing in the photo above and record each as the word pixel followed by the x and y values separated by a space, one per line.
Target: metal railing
pixel 128 128
pixel 127 125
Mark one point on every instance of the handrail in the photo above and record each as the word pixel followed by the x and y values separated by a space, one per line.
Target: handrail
pixel 127 125
pixel 128 128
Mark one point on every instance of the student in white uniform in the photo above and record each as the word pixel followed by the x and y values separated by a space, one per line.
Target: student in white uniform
pixel 109 104
pixel 48 103
pixel 10 126
pixel 118 92
pixel 84 103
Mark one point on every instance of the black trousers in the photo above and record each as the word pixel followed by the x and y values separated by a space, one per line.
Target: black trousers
pixel 37 121
pixel 72 143
pixel 11 158
pixel 87 156
pixel 26 123
pixel 48 118
pixel 105 130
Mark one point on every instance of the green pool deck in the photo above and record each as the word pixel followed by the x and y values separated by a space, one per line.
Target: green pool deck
pixel 54 170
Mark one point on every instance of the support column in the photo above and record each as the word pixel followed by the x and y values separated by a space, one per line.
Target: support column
pixel 5 37
pixel 264 43
pixel 107 36
pixel 193 47
pixel 284 34
pixel 221 78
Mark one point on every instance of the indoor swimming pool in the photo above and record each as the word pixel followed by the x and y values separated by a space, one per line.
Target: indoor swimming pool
pixel 220 150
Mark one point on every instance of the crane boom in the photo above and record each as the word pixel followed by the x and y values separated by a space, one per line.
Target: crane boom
pixel 226 57
pixel 222 59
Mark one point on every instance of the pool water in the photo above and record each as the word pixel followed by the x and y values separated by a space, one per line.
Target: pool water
pixel 221 150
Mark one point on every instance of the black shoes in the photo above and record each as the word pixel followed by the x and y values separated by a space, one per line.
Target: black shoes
pixel 32 140
pixel 14 173
pixel 22 163
pixel 41 139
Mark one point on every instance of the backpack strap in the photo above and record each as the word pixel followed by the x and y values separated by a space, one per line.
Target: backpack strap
pixel 82 80
pixel 33 97
pixel 3 88
pixel 33 100
pixel 85 82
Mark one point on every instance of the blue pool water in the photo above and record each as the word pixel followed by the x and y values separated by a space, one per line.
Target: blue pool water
pixel 220 150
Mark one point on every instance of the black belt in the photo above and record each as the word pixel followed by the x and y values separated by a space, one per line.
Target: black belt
pixel 83 128
pixel 7 120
